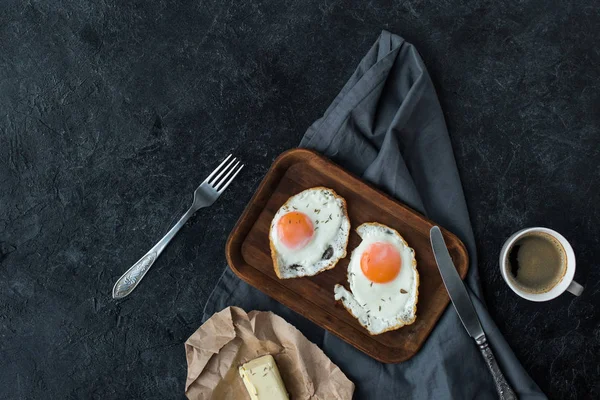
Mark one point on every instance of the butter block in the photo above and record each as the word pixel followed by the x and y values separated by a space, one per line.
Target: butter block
pixel 262 379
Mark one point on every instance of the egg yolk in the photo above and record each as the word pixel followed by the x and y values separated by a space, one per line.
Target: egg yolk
pixel 380 262
pixel 295 230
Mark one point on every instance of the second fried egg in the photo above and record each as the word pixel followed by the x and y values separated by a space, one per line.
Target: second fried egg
pixel 383 280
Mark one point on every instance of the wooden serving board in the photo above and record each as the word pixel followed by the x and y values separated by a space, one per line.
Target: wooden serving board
pixel 248 254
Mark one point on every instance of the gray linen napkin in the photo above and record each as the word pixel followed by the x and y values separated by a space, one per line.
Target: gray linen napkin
pixel 387 126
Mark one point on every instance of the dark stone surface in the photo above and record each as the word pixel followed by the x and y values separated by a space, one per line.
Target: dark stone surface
pixel 112 112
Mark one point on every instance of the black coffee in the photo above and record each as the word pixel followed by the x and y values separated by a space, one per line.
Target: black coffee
pixel 537 262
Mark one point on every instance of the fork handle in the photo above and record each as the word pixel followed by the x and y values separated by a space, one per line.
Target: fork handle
pixel 130 279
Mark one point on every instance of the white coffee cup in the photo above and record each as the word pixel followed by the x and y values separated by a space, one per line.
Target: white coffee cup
pixel 567 282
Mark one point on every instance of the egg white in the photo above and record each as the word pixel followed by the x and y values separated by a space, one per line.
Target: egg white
pixel 327 211
pixel 381 307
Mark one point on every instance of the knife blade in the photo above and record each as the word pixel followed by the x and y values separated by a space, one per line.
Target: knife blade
pixel 465 310
pixel 454 285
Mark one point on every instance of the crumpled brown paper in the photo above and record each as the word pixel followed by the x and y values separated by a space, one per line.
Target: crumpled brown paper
pixel 231 337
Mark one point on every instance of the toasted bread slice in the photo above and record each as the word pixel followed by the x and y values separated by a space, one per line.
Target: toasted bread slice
pixel 332 253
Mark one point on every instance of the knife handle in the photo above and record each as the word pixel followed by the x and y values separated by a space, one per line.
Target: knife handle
pixel 505 392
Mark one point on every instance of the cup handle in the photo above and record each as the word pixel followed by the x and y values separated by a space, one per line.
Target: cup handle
pixel 575 288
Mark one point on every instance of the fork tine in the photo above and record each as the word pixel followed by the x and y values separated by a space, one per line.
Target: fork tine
pixel 231 179
pixel 216 169
pixel 220 183
pixel 225 169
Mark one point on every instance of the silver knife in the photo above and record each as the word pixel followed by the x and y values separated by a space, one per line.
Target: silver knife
pixel 464 308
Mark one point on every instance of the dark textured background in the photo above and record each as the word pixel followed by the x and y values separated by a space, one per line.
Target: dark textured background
pixel 111 112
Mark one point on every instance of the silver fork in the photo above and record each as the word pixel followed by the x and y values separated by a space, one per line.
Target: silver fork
pixel 205 195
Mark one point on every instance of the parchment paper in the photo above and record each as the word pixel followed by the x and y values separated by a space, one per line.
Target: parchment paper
pixel 231 337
